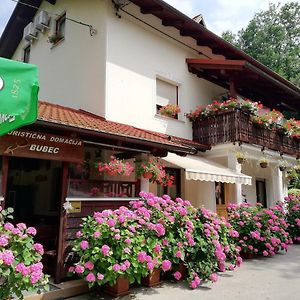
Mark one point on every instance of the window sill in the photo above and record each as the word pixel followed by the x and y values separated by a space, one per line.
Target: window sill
pixel 158 116
pixel 57 43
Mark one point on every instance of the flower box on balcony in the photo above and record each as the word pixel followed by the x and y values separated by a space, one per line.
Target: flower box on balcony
pixel 237 126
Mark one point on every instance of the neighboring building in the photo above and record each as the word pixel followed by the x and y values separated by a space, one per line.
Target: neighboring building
pixel 104 82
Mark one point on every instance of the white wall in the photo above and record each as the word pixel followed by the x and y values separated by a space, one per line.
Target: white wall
pixel 72 73
pixel 136 54
pixel 201 193
pixel 276 184
pixel 113 74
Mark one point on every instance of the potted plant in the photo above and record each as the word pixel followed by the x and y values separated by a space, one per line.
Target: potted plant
pixel 54 38
pixel 116 167
pixel 260 231
pixel 155 172
pixel 170 110
pixel 297 169
pixel 283 165
pixel 20 258
pixel 152 279
pixel 264 162
pixel 241 157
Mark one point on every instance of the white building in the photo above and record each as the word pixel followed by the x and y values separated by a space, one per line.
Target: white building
pixel 120 61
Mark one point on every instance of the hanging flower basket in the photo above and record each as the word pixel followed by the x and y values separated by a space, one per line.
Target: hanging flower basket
pixel 155 172
pixel 263 162
pixel 120 288
pixel 282 168
pixel 297 169
pixel 147 175
pixel 152 279
pixel 116 167
pixel 263 165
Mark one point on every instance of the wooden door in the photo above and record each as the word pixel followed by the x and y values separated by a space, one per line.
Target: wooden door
pixel 221 199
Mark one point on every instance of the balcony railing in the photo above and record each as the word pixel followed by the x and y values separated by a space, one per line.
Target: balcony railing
pixel 236 126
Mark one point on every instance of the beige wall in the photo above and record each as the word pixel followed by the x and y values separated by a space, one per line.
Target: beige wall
pixel 201 193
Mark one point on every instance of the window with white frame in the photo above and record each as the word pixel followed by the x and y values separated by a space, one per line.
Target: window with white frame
pixel 166 93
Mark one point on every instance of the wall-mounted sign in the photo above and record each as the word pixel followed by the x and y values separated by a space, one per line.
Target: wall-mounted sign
pixel 76 207
pixel 41 145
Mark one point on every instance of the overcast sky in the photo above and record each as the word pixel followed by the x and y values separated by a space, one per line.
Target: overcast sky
pixel 219 15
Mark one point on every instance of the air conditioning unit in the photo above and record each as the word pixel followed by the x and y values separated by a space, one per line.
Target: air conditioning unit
pixel 30 32
pixel 42 20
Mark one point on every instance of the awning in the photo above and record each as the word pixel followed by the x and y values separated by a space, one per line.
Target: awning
pixel 198 168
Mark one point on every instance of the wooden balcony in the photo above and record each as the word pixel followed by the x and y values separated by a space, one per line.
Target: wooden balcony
pixel 236 126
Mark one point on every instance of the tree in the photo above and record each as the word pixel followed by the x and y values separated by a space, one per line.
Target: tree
pixel 273 38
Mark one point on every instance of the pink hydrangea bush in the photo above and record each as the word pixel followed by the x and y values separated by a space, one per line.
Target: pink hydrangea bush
pixel 111 244
pixel 20 258
pixel 293 216
pixel 186 232
pixel 155 232
pixel 261 231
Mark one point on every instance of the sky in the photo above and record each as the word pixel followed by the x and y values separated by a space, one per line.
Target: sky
pixel 219 15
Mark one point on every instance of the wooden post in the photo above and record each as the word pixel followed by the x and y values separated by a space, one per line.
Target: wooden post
pixel 62 225
pixel 232 89
pixel 5 161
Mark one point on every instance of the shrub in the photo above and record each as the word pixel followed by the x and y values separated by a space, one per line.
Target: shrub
pixel 261 231
pixel 20 258
pixel 155 232
pixel 293 216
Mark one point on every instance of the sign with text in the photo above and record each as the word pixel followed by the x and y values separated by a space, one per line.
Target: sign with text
pixel 41 145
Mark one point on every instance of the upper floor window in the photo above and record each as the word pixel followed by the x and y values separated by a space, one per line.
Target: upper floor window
pixel 59 30
pixel 61 26
pixel 26 54
pixel 166 94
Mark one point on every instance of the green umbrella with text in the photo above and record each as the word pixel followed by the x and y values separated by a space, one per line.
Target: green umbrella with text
pixel 19 87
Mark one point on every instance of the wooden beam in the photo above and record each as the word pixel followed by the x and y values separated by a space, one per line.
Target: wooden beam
pixel 151 9
pixel 62 224
pixel 191 33
pixel 172 22
pixel 5 163
pixel 232 88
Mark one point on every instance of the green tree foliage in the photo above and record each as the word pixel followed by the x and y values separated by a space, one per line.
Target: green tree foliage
pixel 273 38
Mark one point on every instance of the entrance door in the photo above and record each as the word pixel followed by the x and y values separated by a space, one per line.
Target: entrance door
pixel 261 192
pixel 221 201
pixel 33 190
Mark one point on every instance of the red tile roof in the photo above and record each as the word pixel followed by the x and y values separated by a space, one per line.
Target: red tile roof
pixel 80 119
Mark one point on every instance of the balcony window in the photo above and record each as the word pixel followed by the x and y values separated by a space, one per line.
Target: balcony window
pixel 166 93
pixel 85 181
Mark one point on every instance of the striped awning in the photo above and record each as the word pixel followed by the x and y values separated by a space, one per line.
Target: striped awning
pixel 198 168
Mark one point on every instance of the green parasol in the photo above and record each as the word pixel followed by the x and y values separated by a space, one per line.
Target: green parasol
pixel 19 88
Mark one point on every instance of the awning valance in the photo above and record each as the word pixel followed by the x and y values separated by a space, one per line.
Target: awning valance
pixel 198 168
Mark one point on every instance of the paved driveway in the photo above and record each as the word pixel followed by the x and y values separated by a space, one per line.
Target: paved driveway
pixel 276 278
